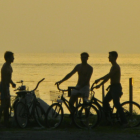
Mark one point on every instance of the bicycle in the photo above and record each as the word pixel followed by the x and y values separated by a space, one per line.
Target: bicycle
pixel 33 109
pixel 130 108
pixel 14 99
pixel 55 113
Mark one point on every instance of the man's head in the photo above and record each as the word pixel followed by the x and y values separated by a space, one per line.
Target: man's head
pixel 9 56
pixel 113 56
pixel 84 57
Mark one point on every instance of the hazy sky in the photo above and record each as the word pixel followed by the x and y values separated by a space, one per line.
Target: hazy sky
pixel 70 25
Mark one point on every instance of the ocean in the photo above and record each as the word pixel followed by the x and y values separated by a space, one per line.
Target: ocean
pixel 32 67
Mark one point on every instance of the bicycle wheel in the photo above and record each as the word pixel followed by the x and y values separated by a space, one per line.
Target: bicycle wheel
pixel 14 106
pixel 14 103
pixel 86 116
pixel 54 116
pixel 21 114
pixel 99 108
pixel 132 113
pixel 39 115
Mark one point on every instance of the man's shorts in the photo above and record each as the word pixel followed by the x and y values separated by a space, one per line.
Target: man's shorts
pixel 83 92
pixel 116 89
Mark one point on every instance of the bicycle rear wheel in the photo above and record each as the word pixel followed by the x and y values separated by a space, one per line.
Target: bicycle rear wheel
pixel 132 113
pixel 54 116
pixel 21 114
pixel 39 115
pixel 86 116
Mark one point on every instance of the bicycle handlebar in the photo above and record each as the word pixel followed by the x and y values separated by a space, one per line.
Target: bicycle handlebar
pixel 92 87
pixel 60 89
pixel 21 81
pixel 38 84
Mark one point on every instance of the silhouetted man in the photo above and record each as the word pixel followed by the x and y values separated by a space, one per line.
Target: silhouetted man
pixel 115 88
pixel 6 80
pixel 84 71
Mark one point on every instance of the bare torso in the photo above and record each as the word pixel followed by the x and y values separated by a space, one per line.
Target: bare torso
pixel 6 73
pixel 84 74
pixel 116 77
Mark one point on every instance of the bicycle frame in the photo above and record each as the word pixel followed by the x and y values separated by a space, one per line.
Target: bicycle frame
pixel 98 103
pixel 66 102
pixel 31 105
pixel 25 109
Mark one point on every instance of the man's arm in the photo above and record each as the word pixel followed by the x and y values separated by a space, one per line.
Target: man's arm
pixel 102 78
pixel 68 75
pixel 105 78
pixel 12 83
pixel 10 76
pixel 8 71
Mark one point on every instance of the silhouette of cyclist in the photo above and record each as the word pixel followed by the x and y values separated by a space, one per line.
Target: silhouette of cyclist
pixel 84 71
pixel 115 88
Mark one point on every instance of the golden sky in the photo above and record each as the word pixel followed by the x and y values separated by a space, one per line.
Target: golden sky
pixel 70 26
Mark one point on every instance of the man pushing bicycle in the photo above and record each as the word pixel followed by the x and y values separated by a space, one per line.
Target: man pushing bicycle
pixel 84 71
pixel 115 88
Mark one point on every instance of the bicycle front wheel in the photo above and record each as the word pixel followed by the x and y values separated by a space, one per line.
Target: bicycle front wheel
pixel 21 114
pixel 54 116
pixel 132 113
pixel 39 115
pixel 86 116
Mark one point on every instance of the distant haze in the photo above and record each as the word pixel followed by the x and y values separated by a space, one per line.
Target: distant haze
pixel 70 26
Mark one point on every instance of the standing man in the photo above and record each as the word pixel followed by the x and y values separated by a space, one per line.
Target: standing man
pixel 84 71
pixel 6 80
pixel 115 88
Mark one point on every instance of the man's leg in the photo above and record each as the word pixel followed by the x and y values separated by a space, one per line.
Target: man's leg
pixel 106 105
pixel 6 111
pixel 116 100
pixel 2 108
pixel 0 112
pixel 73 99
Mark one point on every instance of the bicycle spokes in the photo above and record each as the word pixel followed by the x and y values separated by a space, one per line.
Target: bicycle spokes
pixel 54 116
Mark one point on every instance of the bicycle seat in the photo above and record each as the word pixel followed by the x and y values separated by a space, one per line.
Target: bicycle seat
pixel 21 93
